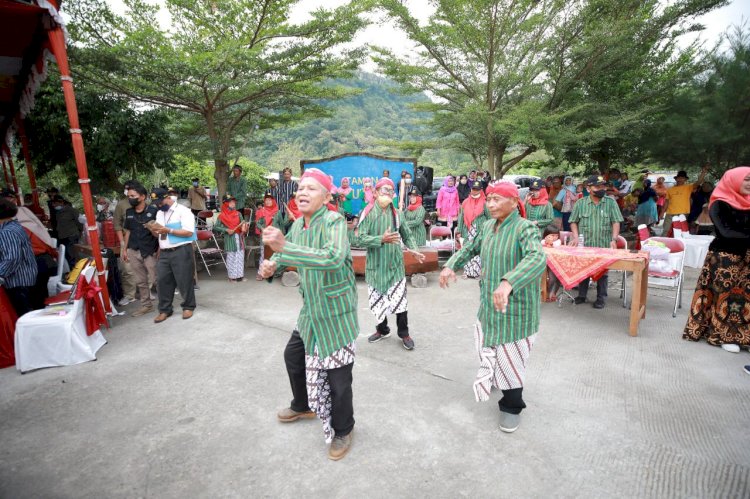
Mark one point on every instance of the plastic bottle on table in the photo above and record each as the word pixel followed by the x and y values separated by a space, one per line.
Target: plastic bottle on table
pixel 580 240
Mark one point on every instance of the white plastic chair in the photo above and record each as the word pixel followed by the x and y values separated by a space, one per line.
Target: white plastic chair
pixel 673 279
pixel 44 340
pixel 53 281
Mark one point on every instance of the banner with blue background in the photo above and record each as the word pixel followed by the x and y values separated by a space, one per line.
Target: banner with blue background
pixel 359 166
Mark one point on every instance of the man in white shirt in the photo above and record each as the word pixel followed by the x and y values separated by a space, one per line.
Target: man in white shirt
pixel 175 268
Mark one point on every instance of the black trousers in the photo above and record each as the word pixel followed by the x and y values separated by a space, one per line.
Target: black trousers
pixel 342 410
pixel 20 299
pixel 174 270
pixel 601 287
pixel 512 401
pixel 71 255
pixel 402 323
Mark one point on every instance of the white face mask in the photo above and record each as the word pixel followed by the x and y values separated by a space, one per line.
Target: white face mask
pixel 384 201
pixel 125 192
pixel 99 207
pixel 173 198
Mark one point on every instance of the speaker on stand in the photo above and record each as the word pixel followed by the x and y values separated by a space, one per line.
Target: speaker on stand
pixel 423 179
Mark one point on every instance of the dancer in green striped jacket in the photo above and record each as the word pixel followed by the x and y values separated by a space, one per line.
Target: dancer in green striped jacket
pixel 320 354
pixel 509 293
pixel 381 230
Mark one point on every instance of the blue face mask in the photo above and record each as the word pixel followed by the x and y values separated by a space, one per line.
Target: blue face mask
pixel 58 208
pixel 164 207
pixel 195 184
pixel 231 208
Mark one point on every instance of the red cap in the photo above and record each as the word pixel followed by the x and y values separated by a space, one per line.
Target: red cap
pixel 319 177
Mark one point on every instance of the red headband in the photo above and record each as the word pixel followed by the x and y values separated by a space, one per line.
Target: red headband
pixel 319 177
pixel 384 181
pixel 503 188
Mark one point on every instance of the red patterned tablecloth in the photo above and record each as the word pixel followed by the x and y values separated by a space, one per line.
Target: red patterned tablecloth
pixel 572 264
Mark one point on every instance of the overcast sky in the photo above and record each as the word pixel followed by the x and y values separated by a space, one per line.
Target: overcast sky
pixel 716 23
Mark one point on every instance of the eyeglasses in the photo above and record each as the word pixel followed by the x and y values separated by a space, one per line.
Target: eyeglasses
pixel 386 190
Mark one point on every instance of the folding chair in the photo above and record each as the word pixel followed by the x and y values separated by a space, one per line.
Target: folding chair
pixel 441 231
pixel 673 279
pixel 564 235
pixel 201 220
pixel 622 243
pixel 210 252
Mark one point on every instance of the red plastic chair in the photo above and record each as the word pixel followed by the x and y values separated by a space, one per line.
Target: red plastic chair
pixel 208 251
pixel 673 279
pixel 201 220
pixel 441 231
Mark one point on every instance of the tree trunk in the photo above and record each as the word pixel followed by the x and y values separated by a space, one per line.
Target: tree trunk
pixel 221 172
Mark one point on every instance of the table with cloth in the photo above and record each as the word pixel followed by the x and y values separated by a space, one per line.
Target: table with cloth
pixel 572 265
pixel 696 248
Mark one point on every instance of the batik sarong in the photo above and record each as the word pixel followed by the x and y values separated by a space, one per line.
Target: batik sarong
pixel 318 386
pixel 391 302
pixel 501 366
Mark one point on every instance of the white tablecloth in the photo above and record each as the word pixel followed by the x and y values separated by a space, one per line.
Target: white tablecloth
pixel 696 248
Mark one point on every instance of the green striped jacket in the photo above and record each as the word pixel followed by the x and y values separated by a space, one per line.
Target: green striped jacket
pixel 323 259
pixel 230 242
pixel 595 220
pixel 542 215
pixel 513 253
pixel 385 262
pixel 415 221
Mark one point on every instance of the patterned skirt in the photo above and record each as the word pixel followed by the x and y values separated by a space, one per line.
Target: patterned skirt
pixel 236 261
pixel 318 386
pixel 502 366
pixel 391 302
pixel 474 267
pixel 720 310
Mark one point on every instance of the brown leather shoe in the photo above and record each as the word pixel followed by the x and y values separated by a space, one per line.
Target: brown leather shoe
pixel 289 415
pixel 186 314
pixel 142 311
pixel 162 317
pixel 339 447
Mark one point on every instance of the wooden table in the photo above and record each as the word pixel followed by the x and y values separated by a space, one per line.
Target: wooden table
pixel 412 266
pixel 639 267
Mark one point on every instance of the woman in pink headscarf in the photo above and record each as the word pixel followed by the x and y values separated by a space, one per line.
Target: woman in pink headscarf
pixel 720 308
pixel 448 204
pixel 348 193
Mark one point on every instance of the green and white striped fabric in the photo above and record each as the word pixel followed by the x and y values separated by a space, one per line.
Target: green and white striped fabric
pixel 595 220
pixel 542 215
pixel 513 252
pixel 415 221
pixel 385 262
pixel 323 259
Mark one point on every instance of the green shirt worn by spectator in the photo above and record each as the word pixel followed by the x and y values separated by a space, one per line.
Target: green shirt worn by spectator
pixel 230 242
pixel 322 256
pixel 385 261
pixel 541 214
pixel 237 187
pixel 414 219
pixel 595 220
pixel 463 229
pixel 510 251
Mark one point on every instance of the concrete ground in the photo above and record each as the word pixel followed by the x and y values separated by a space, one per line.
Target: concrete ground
pixel 187 409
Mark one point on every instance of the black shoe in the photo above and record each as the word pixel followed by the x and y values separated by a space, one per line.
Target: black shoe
pixel 374 338
pixel 599 303
pixel 580 299
pixel 408 342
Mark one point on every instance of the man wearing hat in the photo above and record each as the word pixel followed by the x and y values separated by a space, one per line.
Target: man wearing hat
pixel 127 277
pixel 678 198
pixel 510 299
pixel 381 231
pixel 141 245
pixel 538 208
pixel 176 231
pixel 470 219
pixel 320 354
pixel 597 218
pixel 237 187
pixel 414 217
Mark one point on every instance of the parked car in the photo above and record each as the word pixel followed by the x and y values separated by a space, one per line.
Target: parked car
pixel 523 182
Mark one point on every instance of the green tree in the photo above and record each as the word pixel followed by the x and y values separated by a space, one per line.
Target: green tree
pixel 186 169
pixel 121 142
pixel 521 72
pixel 708 121
pixel 225 65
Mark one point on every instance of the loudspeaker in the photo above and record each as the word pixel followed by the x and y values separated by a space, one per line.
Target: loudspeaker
pixel 423 179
